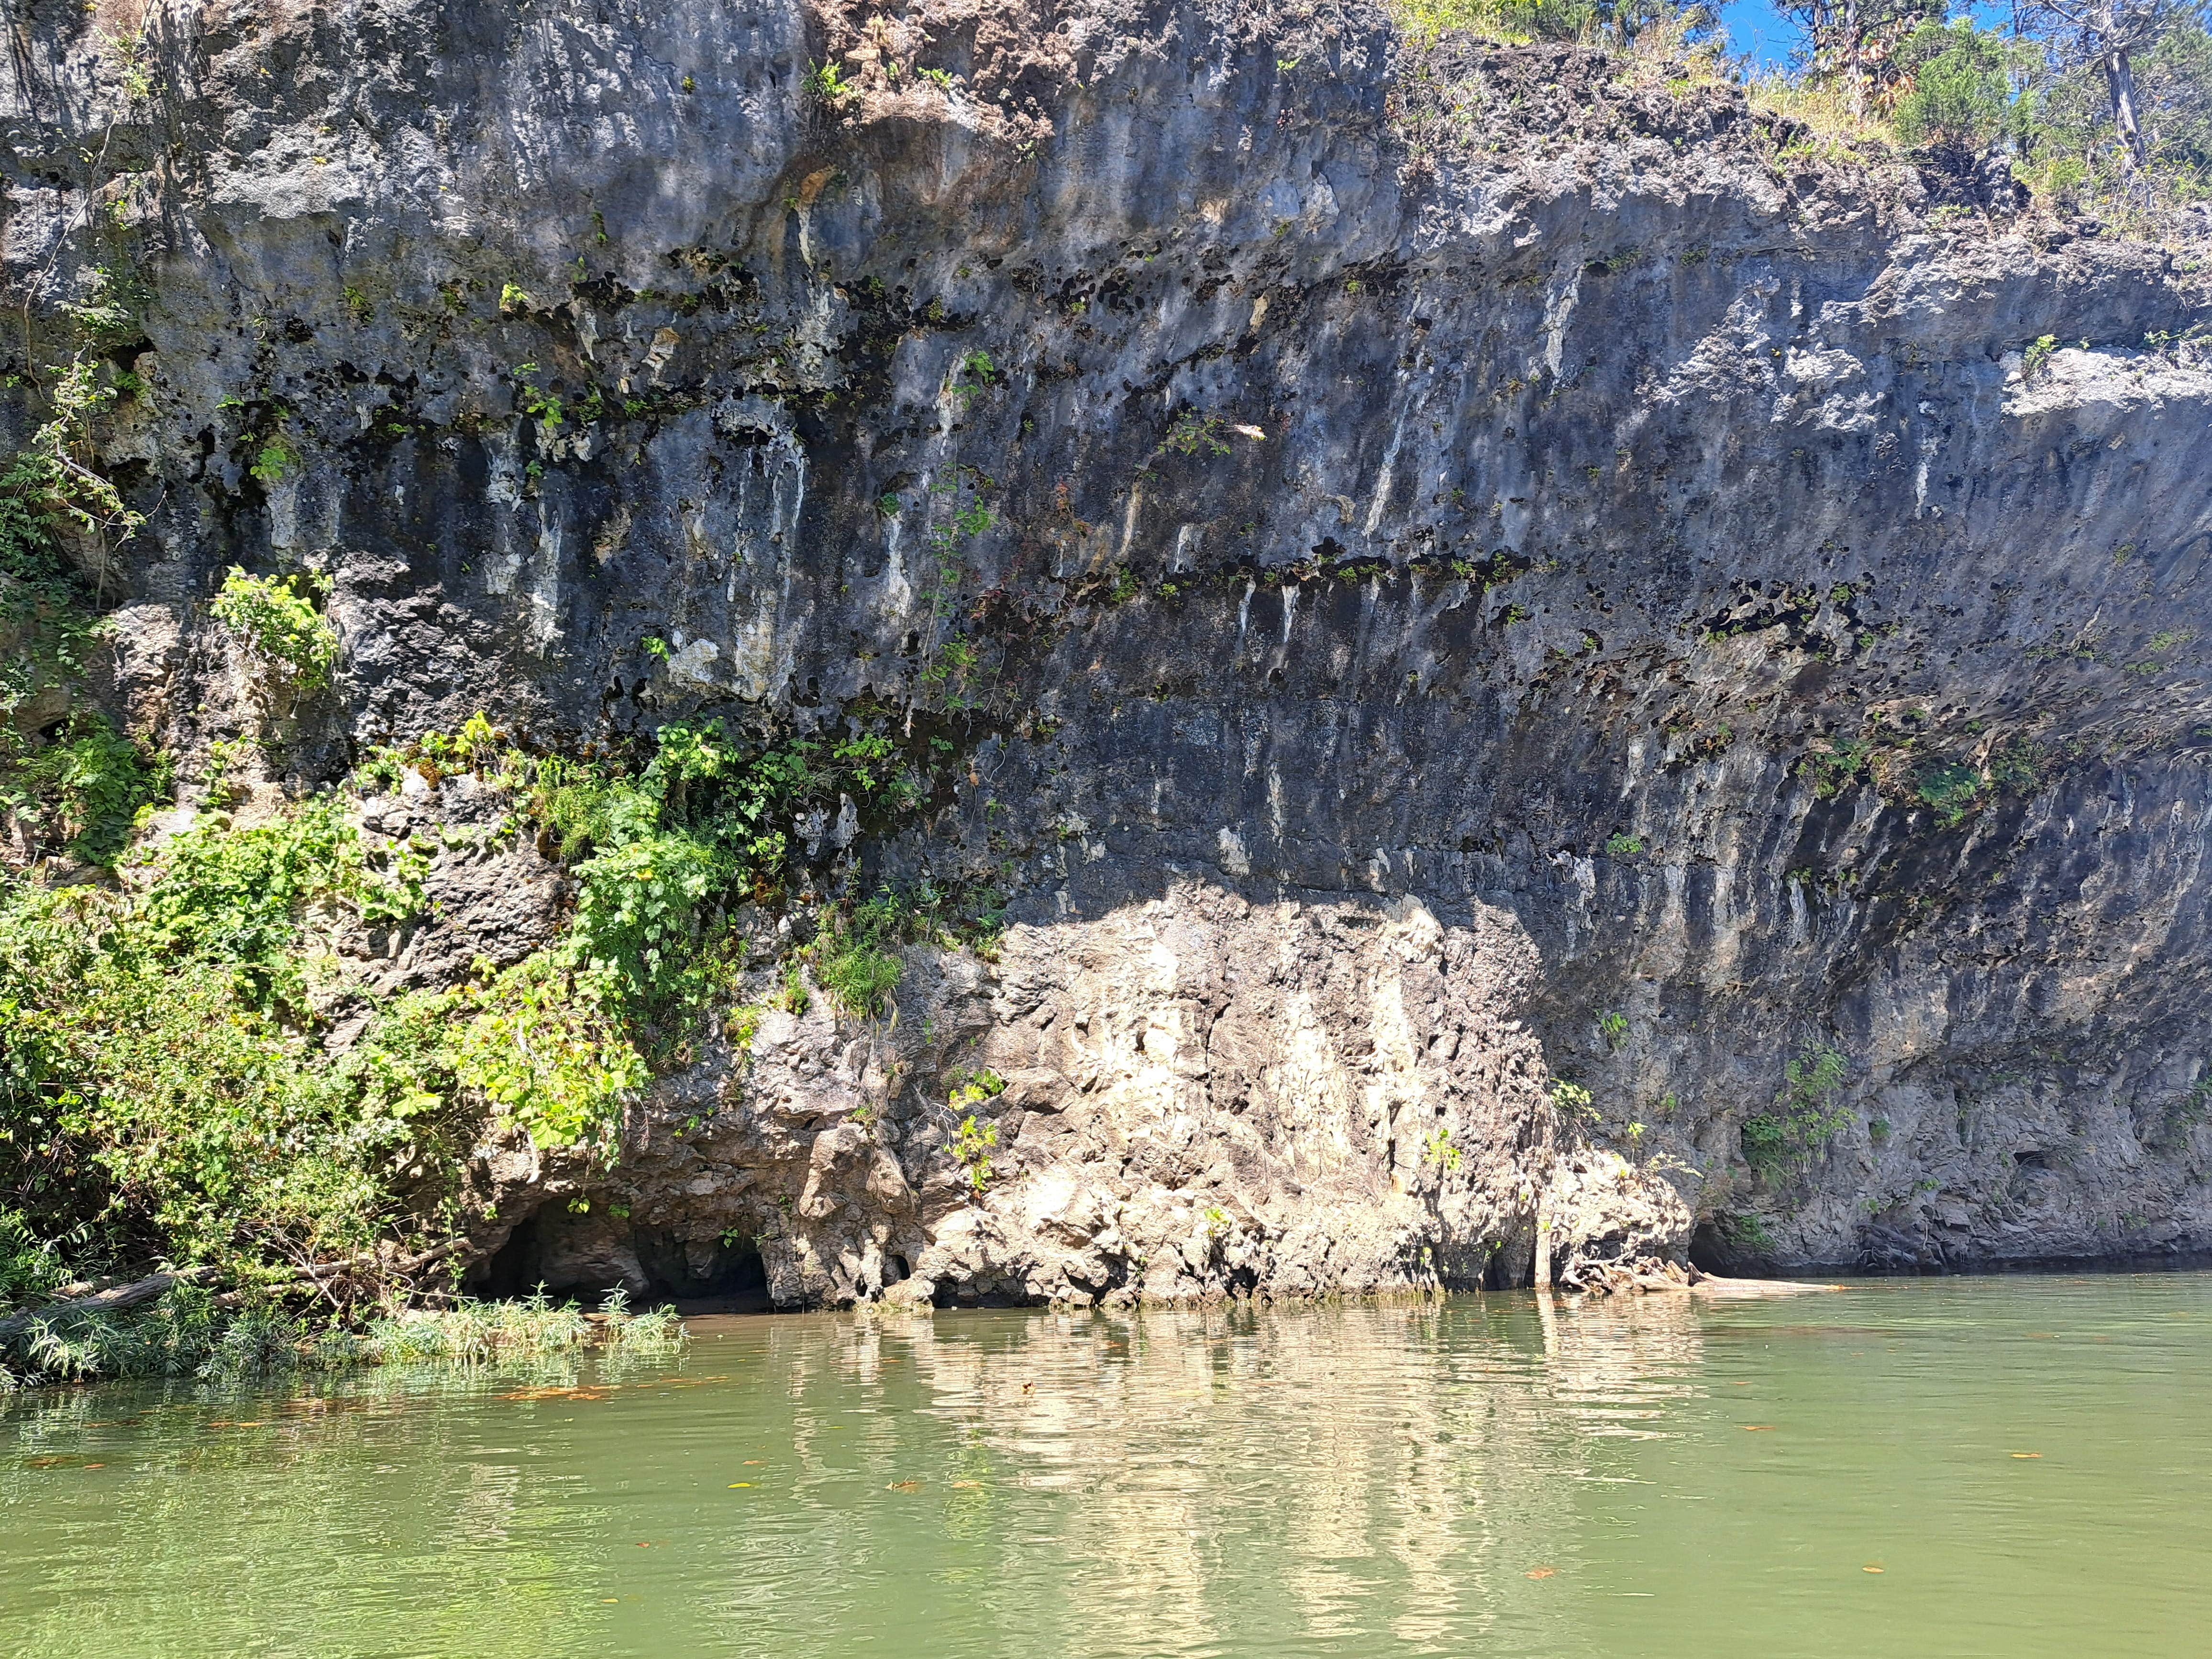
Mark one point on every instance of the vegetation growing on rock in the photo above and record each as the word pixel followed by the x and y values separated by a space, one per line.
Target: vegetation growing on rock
pixel 195 1068
pixel 2098 105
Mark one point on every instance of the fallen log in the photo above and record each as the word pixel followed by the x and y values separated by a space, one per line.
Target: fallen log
pixel 120 1299
pixel 1713 1285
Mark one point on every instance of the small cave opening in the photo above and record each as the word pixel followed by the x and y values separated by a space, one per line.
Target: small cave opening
pixel 512 1272
pixel 537 1255
pixel 1712 1251
pixel 1497 1273
pixel 721 1274
pixel 575 1260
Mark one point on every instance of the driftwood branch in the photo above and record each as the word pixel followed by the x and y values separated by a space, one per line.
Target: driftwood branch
pixel 117 1300
pixel 122 1298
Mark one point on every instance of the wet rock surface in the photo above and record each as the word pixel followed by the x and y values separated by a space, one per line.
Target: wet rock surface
pixel 1491 570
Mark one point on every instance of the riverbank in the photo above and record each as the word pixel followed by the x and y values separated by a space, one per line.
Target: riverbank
pixel 188 1332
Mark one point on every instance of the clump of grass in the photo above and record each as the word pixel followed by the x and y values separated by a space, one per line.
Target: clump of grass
pixel 657 1330
pixel 856 958
pixel 473 1332
pixel 1679 48
pixel 470 1332
pixel 1824 109
pixel 191 1333
pixel 1513 22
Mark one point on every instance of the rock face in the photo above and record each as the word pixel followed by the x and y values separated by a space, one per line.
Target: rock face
pixel 1201 1094
pixel 1482 567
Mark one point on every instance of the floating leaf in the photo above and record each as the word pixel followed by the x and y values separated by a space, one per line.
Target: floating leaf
pixel 1541 1573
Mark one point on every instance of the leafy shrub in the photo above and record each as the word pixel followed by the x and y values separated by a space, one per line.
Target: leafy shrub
pixel 636 914
pixel 42 605
pixel 1572 1100
pixel 1837 765
pixel 1193 433
pixel 974 1086
pixel 545 1052
pixel 166 1090
pixel 278 620
pixel 1805 1117
pixel 1438 1149
pixel 274 459
pixel 53 479
pixel 158 1082
pixel 30 1267
pixel 1961 100
pixel 85 790
pixel 237 899
pixel 699 826
pixel 973 1145
pixel 974 375
pixel 1951 787
pixel 949 672
pixel 826 80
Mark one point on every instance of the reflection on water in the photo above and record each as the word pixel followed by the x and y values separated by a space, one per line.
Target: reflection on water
pixel 2003 1466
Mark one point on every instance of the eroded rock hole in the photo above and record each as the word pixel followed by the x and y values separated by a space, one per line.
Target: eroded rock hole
pixel 507 1275
pixel 1711 1251
pixel 719 1275
pixel 582 1256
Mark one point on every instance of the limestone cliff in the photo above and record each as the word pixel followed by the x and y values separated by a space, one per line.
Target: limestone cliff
pixel 1449 572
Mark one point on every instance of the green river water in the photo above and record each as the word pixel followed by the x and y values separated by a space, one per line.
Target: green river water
pixel 2026 1460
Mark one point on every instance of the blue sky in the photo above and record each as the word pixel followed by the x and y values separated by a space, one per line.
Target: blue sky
pixel 1754 27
